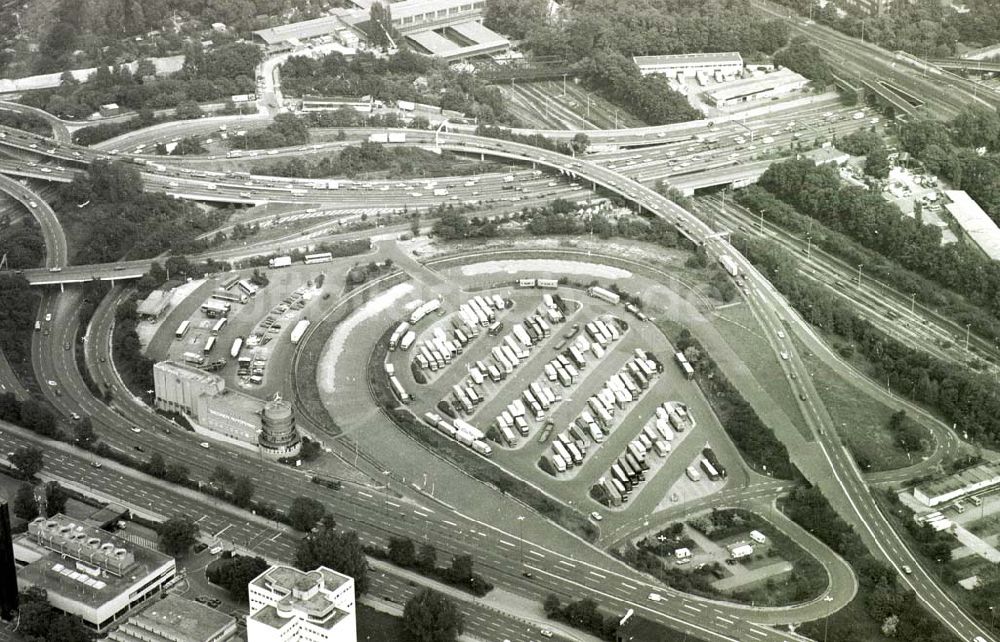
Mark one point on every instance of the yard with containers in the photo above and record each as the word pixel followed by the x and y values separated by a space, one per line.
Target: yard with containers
pixel 565 388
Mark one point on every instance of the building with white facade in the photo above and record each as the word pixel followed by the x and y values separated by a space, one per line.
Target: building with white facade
pixel 773 85
pixel 940 490
pixel 977 226
pixel 729 63
pixel 214 411
pixel 289 605
pixel 89 572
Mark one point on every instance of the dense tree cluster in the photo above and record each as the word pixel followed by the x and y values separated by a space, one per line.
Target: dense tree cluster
pixel 963 396
pixel 234 572
pixel 965 152
pixel 398 162
pixel 17 316
pixel 865 216
pixel 136 368
pixel 27 121
pixel 305 513
pixel 925 28
pixel 805 58
pixel 453 226
pixel 430 616
pixel 206 76
pixel 755 440
pixel 403 552
pixel 404 75
pixel 338 550
pixel 515 18
pixel 286 130
pixel 882 595
pixel 581 614
pixel 187 146
pixel 23 244
pixel 38 621
pixel 120 220
pixel 177 535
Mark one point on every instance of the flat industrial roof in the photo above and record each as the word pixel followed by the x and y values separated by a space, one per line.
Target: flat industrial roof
pixel 975 222
pixel 749 86
pixel 58 575
pixel 304 29
pixel 186 372
pixel 433 42
pixel 479 34
pixel 944 485
pixel 410 8
pixel 183 620
pixel 721 58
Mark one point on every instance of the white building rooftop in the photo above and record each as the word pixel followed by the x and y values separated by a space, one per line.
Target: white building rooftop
pixel 976 223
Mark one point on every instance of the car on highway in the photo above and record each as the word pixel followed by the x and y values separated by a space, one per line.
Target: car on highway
pixel 655 597
pixel 32 203
pixel 979 638
pixel 802 396
pixel 527 574
pixel 48 316
pixel 596 516
pixel 784 355
pixel 52 383
pixel 907 569
pixel 545 633
pixel 781 334
pixel 55 269
pixel 203 444
pixel 74 416
pixel 140 449
pixel 66 346
pixel 136 430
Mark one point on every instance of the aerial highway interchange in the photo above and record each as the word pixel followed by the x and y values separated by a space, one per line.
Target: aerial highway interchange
pixel 531 557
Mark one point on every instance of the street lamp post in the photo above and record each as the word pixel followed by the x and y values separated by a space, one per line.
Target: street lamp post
pixel 762 221
pixel 520 539
pixel 967 326
pixel 860 265
pixel 826 621
pixel 913 301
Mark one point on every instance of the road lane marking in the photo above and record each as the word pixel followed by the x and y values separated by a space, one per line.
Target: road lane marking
pixel 533 552
pixel 691 607
pixel 565 563
pixel 506 543
pixel 452 524
pixel 392 503
pixel 628 586
pixel 600 575
pixel 364 494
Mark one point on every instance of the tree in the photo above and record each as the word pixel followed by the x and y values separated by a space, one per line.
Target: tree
pixel 234 573
pixel 381 33
pixel 552 605
pixel 38 621
pixel 402 551
pixel 580 143
pixel 25 504
pixel 55 498
pixel 155 466
pixel 243 491
pixel 461 569
pixel 877 163
pixel 177 535
pixel 430 616
pixel 427 557
pixel 305 513
pixel 223 475
pixel 28 461
pixel 83 433
pixel 341 551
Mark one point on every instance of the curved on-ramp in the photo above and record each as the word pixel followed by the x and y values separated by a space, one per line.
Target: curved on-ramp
pixel 52 231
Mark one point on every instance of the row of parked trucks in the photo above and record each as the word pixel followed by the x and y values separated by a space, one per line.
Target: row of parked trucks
pixel 597 419
pixel 446 343
pixel 461 431
pixel 629 469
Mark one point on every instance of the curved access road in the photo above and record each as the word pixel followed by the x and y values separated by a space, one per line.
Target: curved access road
pixel 52 231
pixel 60 130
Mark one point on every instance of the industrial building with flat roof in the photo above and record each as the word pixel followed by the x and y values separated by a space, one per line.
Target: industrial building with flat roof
pixel 773 85
pixel 944 489
pixel 730 63
pixel 289 605
pixel 227 415
pixel 977 226
pixel 154 305
pixel 175 619
pixel 89 572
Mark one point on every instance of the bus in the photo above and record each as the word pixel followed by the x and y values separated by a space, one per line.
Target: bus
pixel 230 282
pixel 209 345
pixel 221 323
pixel 322 257
pixel 235 297
pixel 235 349
pixel 248 288
pixel 182 329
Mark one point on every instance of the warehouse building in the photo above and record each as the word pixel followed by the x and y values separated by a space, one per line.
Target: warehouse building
pixel 88 572
pixel 977 226
pixel 773 85
pixel 288 605
pixel 154 305
pixel 729 64
pixel 214 411
pixel 333 103
pixel 944 489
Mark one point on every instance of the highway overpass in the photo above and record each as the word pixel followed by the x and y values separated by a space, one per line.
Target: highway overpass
pixel 733 176
pixel 967 65
pixel 112 272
